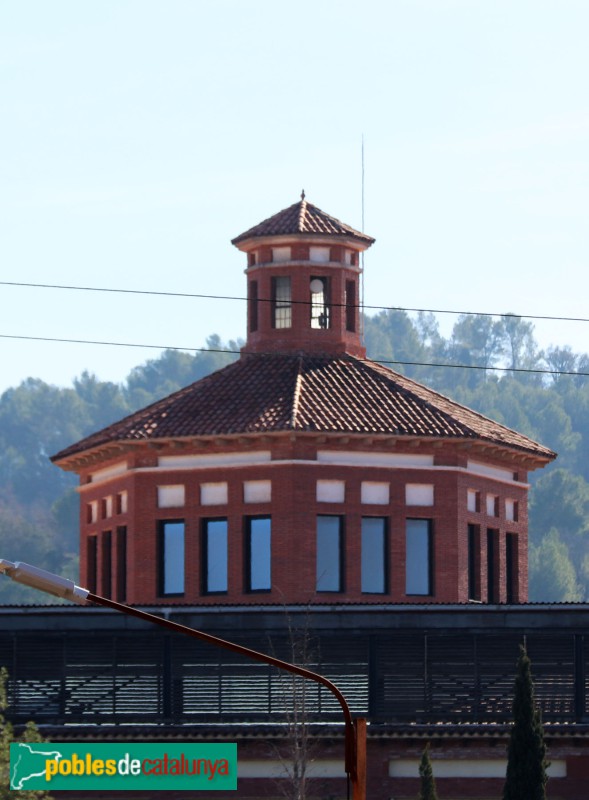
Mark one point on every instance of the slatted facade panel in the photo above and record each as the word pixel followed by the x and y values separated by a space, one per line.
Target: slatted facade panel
pixel 389 676
pixel 496 656
pixel 36 676
pixel 208 683
pixel 553 666
pixel 398 677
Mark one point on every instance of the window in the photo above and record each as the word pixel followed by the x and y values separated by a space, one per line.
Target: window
pixel 320 310
pixel 329 554
pixel 492 571
pixel 91 556
pixel 511 510
pixel 511 567
pixel 281 303
pixel 373 569
pixel 351 306
pixel 280 254
pixel 106 563
pixel 92 512
pixel 121 546
pixel 474 560
pixel 122 502
pixel 251 259
pixel 253 306
pixel 320 254
pixel 259 554
pixel 106 507
pixel 171 561
pixel 418 573
pixel 473 500
pixel 492 505
pixel 214 556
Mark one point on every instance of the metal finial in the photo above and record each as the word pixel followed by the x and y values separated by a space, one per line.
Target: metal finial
pixel 303 195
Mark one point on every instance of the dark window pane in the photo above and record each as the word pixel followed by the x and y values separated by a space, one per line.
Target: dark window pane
pixel 350 306
pixel 215 547
pixel 253 305
pixel 106 566
pixel 91 559
pixel 172 550
pixel 329 554
pixel 492 572
pixel 417 565
pixel 373 554
pixel 121 564
pixel 259 546
pixel 511 567
pixel 281 303
pixel 474 563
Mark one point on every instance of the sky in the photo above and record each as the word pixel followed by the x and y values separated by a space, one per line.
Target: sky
pixel 138 137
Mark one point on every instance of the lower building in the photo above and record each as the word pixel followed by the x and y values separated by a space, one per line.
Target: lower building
pixel 430 673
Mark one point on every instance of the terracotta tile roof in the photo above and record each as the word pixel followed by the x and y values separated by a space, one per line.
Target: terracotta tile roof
pixel 302 217
pixel 269 393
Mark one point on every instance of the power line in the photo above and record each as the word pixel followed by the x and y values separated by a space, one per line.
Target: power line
pixel 294 302
pixel 535 371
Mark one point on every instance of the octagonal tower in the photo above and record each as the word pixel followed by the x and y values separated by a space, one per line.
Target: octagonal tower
pixel 304 473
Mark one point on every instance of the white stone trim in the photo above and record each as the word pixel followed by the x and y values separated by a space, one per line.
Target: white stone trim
pixel 363 458
pixel 214 494
pixel 108 472
pixel 419 494
pixel 465 768
pixel 257 491
pixel 209 460
pixel 376 493
pixel 274 768
pixel 331 491
pixel 172 496
pixel 490 472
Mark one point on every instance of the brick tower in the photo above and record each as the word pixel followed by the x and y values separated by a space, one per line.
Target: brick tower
pixel 304 473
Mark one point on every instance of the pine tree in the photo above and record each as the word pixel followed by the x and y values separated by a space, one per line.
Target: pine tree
pixel 426 776
pixel 30 734
pixel 526 755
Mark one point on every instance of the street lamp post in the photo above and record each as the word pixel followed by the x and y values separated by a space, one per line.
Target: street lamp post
pixel 355 730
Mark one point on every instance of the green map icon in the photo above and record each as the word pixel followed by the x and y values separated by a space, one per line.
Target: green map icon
pixel 28 763
pixel 130 765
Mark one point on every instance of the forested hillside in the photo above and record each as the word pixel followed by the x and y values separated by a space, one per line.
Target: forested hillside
pixel 38 504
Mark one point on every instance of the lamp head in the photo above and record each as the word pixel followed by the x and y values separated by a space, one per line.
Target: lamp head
pixel 44 581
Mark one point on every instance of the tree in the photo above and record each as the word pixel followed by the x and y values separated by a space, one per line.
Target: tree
pixel 520 345
pixel 552 573
pixel 427 789
pixel 297 697
pixel 526 754
pixel 7 737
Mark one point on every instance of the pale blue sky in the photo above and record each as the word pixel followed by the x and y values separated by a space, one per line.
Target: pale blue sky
pixel 139 136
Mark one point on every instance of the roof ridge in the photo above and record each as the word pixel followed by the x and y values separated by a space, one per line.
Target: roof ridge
pixel 302 214
pixel 297 392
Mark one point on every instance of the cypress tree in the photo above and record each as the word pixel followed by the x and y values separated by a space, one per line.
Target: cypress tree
pixel 526 754
pixel 426 775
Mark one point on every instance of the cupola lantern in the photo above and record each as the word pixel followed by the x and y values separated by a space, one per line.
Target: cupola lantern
pixel 303 269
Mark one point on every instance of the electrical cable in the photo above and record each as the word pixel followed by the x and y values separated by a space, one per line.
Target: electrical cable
pixel 524 370
pixel 294 302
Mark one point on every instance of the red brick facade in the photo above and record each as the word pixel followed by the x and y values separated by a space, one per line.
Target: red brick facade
pixel 292 473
